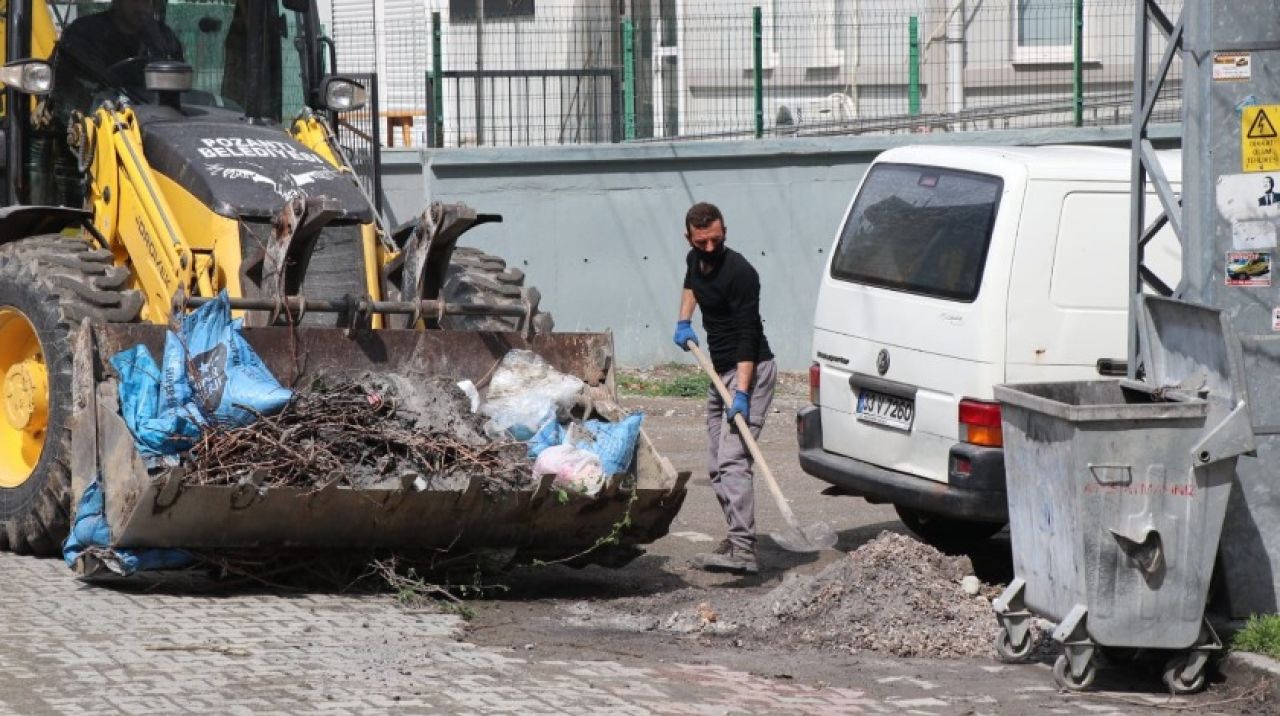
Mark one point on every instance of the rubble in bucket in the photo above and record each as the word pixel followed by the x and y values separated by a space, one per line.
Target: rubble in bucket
pixel 531 401
pixel 368 429
pixel 213 417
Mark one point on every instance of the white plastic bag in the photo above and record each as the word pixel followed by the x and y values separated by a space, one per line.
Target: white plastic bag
pixel 575 470
pixel 524 393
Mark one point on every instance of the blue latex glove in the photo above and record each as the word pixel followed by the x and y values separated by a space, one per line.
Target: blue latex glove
pixel 741 405
pixel 684 334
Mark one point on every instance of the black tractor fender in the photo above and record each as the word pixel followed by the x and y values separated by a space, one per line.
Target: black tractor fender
pixel 22 220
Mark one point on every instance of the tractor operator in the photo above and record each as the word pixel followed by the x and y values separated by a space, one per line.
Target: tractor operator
pixel 110 49
pixel 726 288
pixel 103 51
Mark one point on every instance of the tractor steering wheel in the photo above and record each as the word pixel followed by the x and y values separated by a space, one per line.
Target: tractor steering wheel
pixel 128 72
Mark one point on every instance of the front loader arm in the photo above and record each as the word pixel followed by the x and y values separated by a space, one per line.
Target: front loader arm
pixel 130 212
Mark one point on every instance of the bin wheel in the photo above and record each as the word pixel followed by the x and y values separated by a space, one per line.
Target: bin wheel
pixel 1062 674
pixel 1009 653
pixel 1173 677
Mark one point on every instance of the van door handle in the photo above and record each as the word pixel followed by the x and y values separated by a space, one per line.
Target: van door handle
pixel 1113 367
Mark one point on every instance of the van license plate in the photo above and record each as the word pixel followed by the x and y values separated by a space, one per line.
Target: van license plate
pixel 886 410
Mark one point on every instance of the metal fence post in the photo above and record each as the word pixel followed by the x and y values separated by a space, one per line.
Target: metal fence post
pixel 757 50
pixel 913 71
pixel 479 72
pixel 1077 75
pixel 437 83
pixel 628 80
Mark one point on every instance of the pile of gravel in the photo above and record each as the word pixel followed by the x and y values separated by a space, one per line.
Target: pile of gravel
pixel 893 594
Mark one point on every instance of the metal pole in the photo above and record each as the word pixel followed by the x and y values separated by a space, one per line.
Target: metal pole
pixel 757 51
pixel 1138 186
pixel 1077 76
pixel 913 76
pixel 479 72
pixel 437 81
pixel 628 80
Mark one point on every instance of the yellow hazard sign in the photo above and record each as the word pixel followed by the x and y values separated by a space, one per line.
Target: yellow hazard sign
pixel 1259 140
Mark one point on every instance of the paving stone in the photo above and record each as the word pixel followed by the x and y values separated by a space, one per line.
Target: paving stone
pixel 70 648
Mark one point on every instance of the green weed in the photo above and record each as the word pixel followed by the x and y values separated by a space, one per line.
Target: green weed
pixel 678 386
pixel 1260 635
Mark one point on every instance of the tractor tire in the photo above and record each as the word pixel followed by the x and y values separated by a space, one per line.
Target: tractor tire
pixel 477 277
pixel 48 284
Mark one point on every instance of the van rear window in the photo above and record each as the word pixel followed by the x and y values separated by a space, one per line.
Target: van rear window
pixel 919 229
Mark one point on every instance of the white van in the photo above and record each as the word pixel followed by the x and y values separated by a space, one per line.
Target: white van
pixel 955 269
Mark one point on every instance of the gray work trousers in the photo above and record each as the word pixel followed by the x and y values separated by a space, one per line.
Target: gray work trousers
pixel 729 462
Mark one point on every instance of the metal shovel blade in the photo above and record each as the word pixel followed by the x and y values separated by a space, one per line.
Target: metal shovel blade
pixel 814 538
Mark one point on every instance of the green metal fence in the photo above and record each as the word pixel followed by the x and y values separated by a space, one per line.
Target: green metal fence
pixel 733 69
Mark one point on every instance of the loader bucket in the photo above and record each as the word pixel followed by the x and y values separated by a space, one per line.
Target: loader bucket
pixel 157 509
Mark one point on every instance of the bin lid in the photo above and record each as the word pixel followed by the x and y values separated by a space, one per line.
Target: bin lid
pixel 1189 346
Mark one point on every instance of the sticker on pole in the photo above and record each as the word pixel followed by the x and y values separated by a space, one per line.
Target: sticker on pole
pixel 1275 319
pixel 1231 66
pixel 1259 140
pixel 1253 235
pixel 1248 268
pixel 1248 198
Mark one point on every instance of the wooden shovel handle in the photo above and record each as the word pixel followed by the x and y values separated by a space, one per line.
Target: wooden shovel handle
pixel 745 431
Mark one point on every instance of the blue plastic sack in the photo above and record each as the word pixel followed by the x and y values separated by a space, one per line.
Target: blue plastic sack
pixel 614 443
pixel 551 433
pixel 210 376
pixel 91 534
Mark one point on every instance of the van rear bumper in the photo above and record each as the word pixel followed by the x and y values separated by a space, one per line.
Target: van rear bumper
pixel 978 496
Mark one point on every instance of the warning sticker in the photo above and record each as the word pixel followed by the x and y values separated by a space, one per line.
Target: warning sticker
pixel 1259 140
pixel 1248 268
pixel 1275 319
pixel 1231 66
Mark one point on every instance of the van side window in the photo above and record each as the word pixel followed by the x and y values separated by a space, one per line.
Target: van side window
pixel 918 229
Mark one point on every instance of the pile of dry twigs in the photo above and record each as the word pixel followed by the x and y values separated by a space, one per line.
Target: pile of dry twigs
pixel 366 432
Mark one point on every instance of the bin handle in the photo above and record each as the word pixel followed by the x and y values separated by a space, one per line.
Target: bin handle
pixel 1101 470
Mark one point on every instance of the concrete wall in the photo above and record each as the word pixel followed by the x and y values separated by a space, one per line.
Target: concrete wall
pixel 598 229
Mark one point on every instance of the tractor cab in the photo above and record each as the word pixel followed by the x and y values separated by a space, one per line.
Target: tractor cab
pixel 235 62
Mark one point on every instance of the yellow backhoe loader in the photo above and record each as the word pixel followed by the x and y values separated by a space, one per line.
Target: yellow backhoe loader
pixel 139 187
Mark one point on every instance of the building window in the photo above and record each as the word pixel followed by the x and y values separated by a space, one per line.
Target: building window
pixel 465 10
pixel 1043 30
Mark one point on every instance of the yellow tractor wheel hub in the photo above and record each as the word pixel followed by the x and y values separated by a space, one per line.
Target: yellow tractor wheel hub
pixel 26 398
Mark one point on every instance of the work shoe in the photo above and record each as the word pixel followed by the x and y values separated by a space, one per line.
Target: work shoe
pixel 728 558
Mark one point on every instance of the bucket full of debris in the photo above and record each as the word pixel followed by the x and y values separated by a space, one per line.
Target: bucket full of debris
pixel 374 446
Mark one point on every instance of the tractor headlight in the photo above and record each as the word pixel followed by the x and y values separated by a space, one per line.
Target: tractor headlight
pixel 29 76
pixel 343 95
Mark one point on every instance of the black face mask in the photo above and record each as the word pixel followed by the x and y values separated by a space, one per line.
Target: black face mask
pixel 710 257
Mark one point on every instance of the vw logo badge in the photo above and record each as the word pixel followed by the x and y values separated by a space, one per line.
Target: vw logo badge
pixel 882 361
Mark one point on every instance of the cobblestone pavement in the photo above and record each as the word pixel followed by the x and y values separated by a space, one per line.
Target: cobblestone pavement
pixel 69 647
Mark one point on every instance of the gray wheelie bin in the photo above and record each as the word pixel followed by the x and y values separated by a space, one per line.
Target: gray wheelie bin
pixel 1117 492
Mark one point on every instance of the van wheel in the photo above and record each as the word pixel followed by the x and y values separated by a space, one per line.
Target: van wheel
pixel 946 533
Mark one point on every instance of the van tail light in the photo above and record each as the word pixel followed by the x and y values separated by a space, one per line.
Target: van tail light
pixel 815 377
pixel 980 423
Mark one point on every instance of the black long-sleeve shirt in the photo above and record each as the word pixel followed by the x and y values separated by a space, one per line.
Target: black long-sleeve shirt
pixel 729 298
